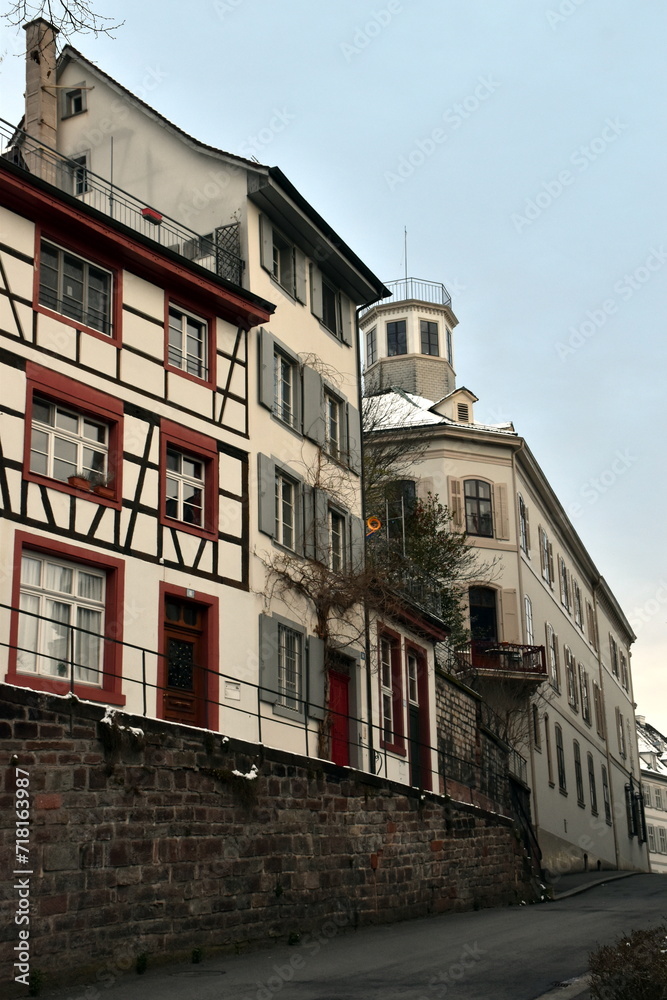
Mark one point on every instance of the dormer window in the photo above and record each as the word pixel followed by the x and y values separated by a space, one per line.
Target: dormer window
pixel 463 413
pixel 74 102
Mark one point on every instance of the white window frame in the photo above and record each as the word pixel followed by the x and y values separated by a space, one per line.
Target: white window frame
pixel 530 628
pixel 554 659
pixel 178 354
pixel 35 657
pixel 662 838
pixel 337 541
pixel 81 464
pixel 613 654
pixel 290 667
pixel 577 605
pixel 523 525
pixel 183 481
pixel 74 306
pixel 387 689
pixel 571 677
pixel 585 694
pixel 413 677
pixel 285 532
pixel 658 799
pixel 646 789
pixel 334 415
pixel 285 390
pixel 651 839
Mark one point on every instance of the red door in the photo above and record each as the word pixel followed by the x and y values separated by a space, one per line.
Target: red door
pixel 339 710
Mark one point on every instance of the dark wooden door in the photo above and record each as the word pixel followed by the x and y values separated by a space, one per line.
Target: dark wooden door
pixel 339 710
pixel 415 748
pixel 185 675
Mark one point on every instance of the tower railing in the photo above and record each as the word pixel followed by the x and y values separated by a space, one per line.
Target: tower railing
pixel 404 289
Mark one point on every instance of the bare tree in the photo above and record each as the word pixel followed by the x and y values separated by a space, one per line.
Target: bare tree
pixel 69 17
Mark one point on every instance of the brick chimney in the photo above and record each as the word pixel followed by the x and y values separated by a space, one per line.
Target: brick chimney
pixel 41 97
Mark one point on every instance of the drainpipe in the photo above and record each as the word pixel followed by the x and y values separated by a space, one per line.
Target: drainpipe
pixel 41 101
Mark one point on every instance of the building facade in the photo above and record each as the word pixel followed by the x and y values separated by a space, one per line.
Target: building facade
pixel 653 760
pixel 550 645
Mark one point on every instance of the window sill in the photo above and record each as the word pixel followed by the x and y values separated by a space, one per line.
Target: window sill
pixel 287 426
pixel 396 748
pixel 57 484
pixel 53 685
pixel 563 791
pixel 190 529
pixel 582 805
pixel 206 383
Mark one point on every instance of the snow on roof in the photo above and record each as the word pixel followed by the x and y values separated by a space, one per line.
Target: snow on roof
pixel 652 746
pixel 397 408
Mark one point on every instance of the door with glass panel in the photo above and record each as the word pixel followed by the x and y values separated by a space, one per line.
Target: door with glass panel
pixel 62 620
pixel 185 673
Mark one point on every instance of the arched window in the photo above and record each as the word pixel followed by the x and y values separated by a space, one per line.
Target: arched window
pixel 479 515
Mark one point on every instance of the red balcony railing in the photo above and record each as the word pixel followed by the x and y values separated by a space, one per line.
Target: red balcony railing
pixel 503 658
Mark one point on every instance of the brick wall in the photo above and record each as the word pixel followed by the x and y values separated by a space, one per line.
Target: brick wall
pixel 149 843
pixel 426 376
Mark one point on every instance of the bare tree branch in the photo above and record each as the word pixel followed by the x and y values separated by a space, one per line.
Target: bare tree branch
pixel 69 17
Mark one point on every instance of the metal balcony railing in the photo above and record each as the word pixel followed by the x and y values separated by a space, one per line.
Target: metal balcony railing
pixel 487 657
pixel 403 289
pixel 217 251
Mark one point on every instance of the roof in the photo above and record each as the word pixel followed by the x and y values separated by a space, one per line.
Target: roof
pixel 396 409
pixel 652 747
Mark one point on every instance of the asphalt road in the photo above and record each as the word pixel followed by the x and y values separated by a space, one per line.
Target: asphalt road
pixel 511 954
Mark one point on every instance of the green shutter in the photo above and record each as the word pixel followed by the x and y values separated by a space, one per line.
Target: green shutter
pixel 313 407
pixel 315 677
pixel 266 487
pixel 268 659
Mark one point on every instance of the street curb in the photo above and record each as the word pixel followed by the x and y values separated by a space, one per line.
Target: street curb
pixel 592 885
pixel 575 988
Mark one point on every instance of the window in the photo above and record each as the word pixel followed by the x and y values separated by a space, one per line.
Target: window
pixel 647 795
pixel 282 265
pixel 584 691
pixel 552 654
pixel 579 778
pixel 547 742
pixel 413 675
pixel 391 691
pixel 65 443
pixel 591 624
pixel 333 425
pixel 620 730
pixel 331 307
pixel 546 557
pixel 537 738
pixel 396 338
pixel 571 676
pixel 599 713
pixel 625 677
pixel 386 687
pixel 429 337
pixel 75 288
pixel 524 530
pixel 69 603
pixel 188 343
pixel 371 347
pixel 613 653
pixel 651 839
pixel 658 798
pixel 663 840
pixel 290 654
pixel 80 183
pixel 74 102
pixel 450 352
pixel 530 634
pixel 285 511
pixel 185 488
pixel 605 796
pixel 283 260
pixel 189 480
pixel 337 545
pixel 564 583
pixel 560 759
pixel 591 785
pixel 578 612
pixel 285 383
pixel 479 518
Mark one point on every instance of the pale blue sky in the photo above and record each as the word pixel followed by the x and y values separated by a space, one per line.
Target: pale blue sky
pixel 546 89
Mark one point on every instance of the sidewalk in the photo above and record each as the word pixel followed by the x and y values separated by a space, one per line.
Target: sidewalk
pixel 570 885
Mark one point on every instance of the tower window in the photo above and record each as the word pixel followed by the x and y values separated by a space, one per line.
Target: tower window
pixel 397 342
pixel 429 337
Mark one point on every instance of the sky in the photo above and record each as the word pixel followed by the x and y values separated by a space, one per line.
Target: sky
pixel 522 145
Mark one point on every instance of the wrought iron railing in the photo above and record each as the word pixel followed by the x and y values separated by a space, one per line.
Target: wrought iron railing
pixel 404 289
pixel 216 251
pixel 485 656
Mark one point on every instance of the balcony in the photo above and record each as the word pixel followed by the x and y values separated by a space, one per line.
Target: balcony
pixel 218 251
pixel 487 658
pixel 404 289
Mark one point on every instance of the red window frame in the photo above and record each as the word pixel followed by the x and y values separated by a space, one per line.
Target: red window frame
pixel 80 397
pixel 398 745
pixel 110 691
pixel 211 642
pixel 206 450
pixel 101 260
pixel 178 302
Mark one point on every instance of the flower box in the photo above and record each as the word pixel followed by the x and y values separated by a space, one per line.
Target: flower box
pixel 79 482
pixel 151 215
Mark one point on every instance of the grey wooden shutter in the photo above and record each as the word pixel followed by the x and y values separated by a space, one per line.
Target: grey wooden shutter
pixel 316 292
pixel 315 677
pixel 313 408
pixel 456 501
pixel 541 545
pixel 527 523
pixel 357 543
pixel 266 243
pixel 346 322
pixel 266 494
pixel 551 565
pixel 267 348
pixel 500 517
pixel 268 659
pixel 321 526
pixel 300 275
pixel 308 495
pixel 353 445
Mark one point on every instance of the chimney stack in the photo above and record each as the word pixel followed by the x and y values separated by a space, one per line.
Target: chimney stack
pixel 41 97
